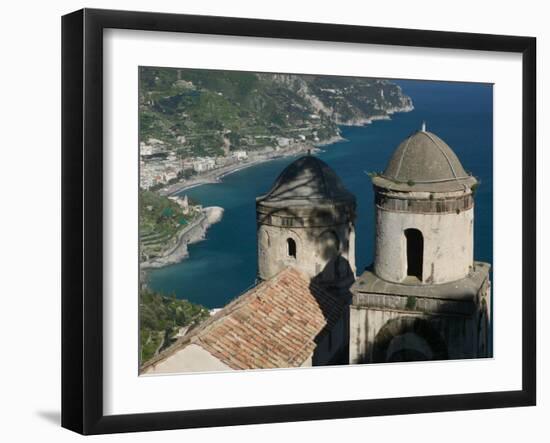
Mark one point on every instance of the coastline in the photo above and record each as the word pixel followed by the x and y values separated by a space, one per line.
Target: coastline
pixel 216 175
pixel 197 230
pixel 373 118
pixel 193 233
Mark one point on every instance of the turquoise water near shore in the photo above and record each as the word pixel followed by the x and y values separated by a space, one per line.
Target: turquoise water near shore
pixel 224 265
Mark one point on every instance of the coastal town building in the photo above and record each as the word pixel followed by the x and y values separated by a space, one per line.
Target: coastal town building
pixel 425 297
pixel 240 155
pixel 202 164
pixel 283 141
pixel 183 202
pixel 145 149
pixel 160 168
pixel 151 147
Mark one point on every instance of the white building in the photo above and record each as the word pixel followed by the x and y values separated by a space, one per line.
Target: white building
pixel 183 202
pixel 203 164
pixel 240 155
pixel 145 149
pixel 170 175
pixel 283 142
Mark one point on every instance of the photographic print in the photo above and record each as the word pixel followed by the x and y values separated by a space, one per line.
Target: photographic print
pixel 290 220
pixel 253 209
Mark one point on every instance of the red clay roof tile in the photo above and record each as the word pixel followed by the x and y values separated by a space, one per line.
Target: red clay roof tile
pixel 273 325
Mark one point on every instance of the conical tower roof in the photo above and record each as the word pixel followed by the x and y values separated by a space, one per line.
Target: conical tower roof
pixel 308 181
pixel 424 162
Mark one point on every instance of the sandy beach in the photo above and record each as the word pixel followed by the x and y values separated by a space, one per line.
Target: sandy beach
pixel 216 175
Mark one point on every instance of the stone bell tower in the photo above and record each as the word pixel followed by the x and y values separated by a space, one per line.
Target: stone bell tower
pixel 307 221
pixel 425 297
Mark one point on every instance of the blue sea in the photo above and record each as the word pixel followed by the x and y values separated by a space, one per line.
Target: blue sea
pixel 224 265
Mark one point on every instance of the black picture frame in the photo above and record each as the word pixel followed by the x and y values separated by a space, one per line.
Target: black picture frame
pixel 82 219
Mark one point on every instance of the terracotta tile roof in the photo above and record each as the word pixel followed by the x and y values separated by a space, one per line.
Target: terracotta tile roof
pixel 273 325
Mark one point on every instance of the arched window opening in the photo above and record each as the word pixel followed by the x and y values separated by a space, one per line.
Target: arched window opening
pixel 291 246
pixel 415 253
pixel 408 339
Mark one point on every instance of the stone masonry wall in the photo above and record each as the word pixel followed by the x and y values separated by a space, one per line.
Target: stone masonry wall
pixel 448 245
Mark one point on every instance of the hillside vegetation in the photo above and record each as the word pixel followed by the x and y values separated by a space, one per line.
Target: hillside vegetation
pixel 204 112
pixel 160 220
pixel 160 319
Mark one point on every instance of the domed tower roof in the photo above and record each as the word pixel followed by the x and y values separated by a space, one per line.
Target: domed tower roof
pixel 424 162
pixel 308 181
